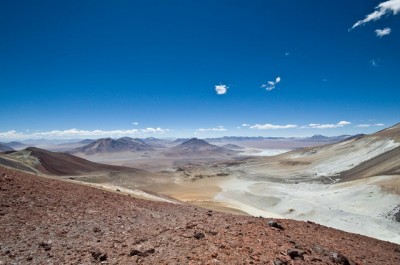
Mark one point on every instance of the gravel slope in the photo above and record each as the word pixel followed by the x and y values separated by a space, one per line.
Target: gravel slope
pixel 48 221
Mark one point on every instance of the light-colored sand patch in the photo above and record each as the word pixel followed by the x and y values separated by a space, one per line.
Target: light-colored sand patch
pixel 201 193
pixel 263 152
pixel 335 160
pixel 357 207
pixel 192 191
pixel 133 192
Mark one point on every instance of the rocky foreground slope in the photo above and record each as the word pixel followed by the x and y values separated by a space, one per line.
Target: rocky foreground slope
pixel 48 221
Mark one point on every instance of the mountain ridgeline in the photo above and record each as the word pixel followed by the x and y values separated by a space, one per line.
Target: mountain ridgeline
pixel 109 145
pixel 197 147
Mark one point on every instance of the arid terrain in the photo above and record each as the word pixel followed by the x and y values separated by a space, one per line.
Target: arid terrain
pixel 351 185
pixel 49 221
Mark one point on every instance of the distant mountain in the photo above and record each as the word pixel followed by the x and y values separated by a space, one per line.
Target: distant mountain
pixel 108 145
pixel 86 141
pixel 16 145
pixel 5 148
pixel 232 147
pixel 326 139
pixel 198 148
pixel 180 140
pixel 155 142
pixel 55 163
pixel 237 139
pixel 355 157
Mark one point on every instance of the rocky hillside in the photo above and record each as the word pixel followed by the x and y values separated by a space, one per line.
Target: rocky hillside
pixel 49 221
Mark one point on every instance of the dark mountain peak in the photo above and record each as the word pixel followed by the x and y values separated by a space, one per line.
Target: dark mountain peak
pixel 195 142
pixel 318 137
pixel 180 140
pixel 126 138
pixel 87 141
pixel 5 148
pixel 198 148
pixel 109 145
pixel 15 145
pixel 232 146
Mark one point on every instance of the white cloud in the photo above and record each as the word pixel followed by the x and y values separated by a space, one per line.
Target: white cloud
pixel 272 126
pixel 383 32
pixel 327 126
pixel 344 123
pixel 369 125
pixel 216 129
pixel 135 123
pixel 271 84
pixel 10 135
pixel 375 62
pixel 245 125
pixel 76 133
pixel 221 89
pixel 154 130
pixel 390 6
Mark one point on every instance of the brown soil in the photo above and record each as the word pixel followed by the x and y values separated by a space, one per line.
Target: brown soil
pixel 387 163
pixel 63 164
pixel 49 221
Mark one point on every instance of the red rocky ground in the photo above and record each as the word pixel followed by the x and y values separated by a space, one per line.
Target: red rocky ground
pixel 48 221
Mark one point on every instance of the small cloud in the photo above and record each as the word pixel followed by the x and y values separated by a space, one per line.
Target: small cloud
pixel 287 53
pixel 154 130
pixel 216 129
pixel 375 62
pixel 221 89
pixel 272 126
pixel 343 123
pixel 135 123
pixel 327 126
pixel 383 32
pixel 390 6
pixel 365 125
pixel 245 125
pixel 271 84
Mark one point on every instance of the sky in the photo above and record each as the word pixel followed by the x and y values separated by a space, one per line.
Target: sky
pixel 209 68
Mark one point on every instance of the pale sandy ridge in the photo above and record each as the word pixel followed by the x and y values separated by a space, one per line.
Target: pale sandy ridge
pixel 359 206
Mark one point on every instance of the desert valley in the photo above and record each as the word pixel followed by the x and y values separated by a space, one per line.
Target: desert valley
pixel 199 132
pixel 350 183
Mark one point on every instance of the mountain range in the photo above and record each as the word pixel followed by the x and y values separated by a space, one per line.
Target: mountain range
pixel 109 145
pixel 198 148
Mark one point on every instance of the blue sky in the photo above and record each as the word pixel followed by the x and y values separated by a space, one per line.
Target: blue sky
pixel 68 68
